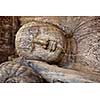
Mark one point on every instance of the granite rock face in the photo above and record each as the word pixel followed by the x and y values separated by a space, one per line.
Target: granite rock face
pixel 8 28
pixel 79 42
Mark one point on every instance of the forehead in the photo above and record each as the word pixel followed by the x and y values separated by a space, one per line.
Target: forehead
pixel 44 31
pixel 36 28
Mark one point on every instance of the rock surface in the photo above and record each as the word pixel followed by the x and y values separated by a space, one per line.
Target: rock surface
pixel 8 27
pixel 77 44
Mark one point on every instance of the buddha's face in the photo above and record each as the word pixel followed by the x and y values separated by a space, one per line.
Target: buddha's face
pixel 41 42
